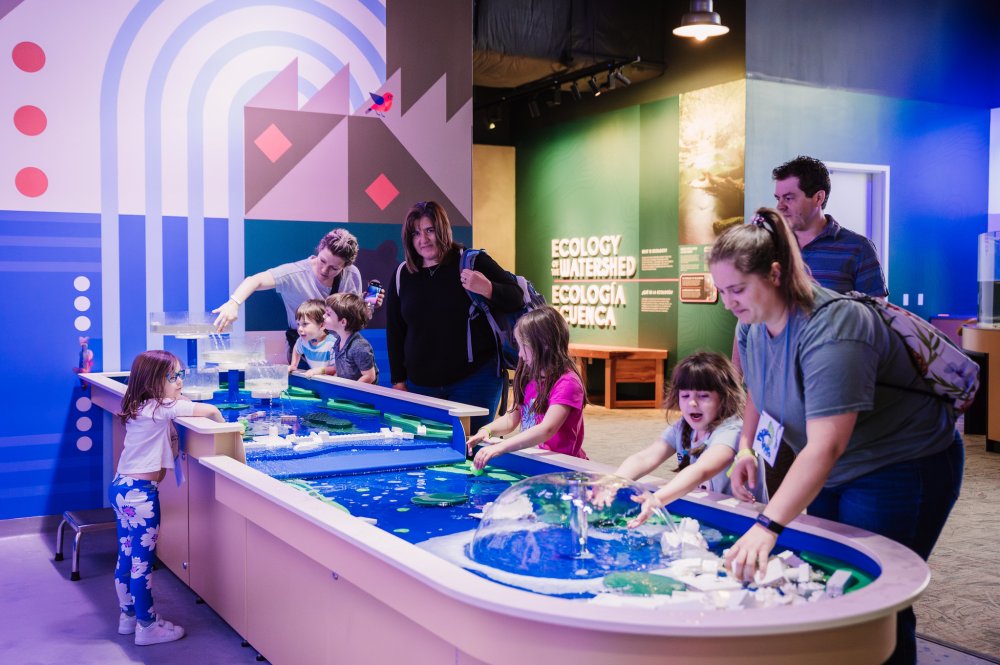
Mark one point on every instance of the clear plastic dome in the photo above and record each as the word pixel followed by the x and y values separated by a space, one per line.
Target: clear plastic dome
pixel 569 525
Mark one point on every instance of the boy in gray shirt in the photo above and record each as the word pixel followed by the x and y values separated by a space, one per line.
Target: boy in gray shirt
pixel 353 358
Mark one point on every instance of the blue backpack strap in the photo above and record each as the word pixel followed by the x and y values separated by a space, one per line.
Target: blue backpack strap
pixel 478 306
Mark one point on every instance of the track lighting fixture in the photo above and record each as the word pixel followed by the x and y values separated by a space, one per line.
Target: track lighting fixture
pixel 533 109
pixel 701 22
pixel 594 88
pixel 610 83
pixel 621 77
pixel 574 90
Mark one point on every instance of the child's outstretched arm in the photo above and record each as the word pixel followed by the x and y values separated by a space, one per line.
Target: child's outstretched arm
pixel 208 411
pixel 555 416
pixel 646 460
pixel 712 462
pixel 505 424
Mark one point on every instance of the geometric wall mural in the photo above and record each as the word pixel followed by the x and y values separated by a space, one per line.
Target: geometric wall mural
pixel 133 159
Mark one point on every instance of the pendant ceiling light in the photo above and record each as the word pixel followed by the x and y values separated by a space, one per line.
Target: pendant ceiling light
pixel 701 22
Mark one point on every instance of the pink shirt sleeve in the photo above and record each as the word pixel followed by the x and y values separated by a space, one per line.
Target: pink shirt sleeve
pixel 567 391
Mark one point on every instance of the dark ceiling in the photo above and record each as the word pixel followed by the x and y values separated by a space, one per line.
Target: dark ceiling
pixel 528 53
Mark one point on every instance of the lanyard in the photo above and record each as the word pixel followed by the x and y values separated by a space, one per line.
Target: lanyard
pixel 763 364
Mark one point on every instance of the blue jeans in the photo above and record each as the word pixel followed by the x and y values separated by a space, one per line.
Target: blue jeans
pixel 137 506
pixel 908 502
pixel 481 388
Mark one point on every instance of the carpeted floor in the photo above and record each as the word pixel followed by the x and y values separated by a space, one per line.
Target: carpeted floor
pixel 962 604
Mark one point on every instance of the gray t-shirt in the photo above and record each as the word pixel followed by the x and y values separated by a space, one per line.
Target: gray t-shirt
pixel 726 434
pixel 845 359
pixel 296 283
pixel 356 357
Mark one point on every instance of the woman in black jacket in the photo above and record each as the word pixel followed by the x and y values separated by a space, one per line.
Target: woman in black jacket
pixel 435 348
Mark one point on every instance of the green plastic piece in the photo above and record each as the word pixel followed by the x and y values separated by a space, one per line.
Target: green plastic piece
pixel 642 584
pixel 403 530
pixel 295 391
pixel 440 499
pixel 351 406
pixel 828 565
pixel 301 398
pixel 232 406
pixel 403 509
pixel 502 475
pixel 435 429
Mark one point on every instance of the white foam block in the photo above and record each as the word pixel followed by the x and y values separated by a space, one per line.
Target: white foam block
pixel 835 585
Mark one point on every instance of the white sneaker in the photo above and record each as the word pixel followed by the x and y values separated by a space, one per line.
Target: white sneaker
pixel 126 624
pixel 157 632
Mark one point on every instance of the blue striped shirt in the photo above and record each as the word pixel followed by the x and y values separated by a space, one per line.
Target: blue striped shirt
pixel 842 260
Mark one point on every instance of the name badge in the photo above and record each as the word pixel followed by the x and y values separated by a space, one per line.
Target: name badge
pixel 768 438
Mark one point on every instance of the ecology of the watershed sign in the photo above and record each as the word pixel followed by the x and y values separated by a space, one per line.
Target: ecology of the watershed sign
pixel 584 271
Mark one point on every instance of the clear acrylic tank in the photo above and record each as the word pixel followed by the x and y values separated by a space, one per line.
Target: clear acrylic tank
pixel 989 279
pixel 226 351
pixel 201 383
pixel 570 525
pixel 266 381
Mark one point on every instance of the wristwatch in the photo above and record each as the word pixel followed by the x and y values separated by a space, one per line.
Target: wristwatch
pixel 770 524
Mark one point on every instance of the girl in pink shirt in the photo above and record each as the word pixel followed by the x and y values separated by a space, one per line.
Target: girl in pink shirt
pixel 548 393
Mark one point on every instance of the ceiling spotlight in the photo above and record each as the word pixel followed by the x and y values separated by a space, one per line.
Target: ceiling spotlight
pixel 594 88
pixel 533 109
pixel 611 81
pixel 701 22
pixel 621 77
pixel 556 97
pixel 574 90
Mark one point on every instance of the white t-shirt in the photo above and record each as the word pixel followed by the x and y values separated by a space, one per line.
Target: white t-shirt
pixel 147 437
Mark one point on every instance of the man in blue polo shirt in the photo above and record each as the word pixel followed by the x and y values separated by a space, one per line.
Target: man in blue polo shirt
pixel 839 258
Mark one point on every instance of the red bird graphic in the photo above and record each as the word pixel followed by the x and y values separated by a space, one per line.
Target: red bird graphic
pixel 380 104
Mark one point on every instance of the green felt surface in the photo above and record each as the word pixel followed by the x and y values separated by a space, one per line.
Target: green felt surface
pixel 859 579
pixel 642 584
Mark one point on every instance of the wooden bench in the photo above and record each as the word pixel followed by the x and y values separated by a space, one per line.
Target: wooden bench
pixel 623 364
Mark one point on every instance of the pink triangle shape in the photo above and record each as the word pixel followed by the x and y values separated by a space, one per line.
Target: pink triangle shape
pixel 315 190
pixel 281 92
pixel 335 96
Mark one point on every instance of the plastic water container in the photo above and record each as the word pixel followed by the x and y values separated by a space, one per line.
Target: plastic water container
pixel 989 279
pixel 201 384
pixel 266 381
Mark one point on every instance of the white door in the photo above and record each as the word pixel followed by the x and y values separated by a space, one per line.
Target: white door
pixel 859 201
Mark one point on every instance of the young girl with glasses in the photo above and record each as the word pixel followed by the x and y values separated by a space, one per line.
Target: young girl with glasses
pixel 152 401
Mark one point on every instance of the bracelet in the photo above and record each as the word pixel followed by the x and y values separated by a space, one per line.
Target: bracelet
pixel 743 452
pixel 236 300
pixel 489 434
pixel 769 524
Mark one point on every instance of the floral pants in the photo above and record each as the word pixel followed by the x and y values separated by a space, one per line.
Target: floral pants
pixel 137 506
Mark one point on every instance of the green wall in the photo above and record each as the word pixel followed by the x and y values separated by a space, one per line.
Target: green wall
pixel 616 173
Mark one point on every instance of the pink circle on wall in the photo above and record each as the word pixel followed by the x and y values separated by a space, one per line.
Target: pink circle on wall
pixel 31 181
pixel 28 56
pixel 30 120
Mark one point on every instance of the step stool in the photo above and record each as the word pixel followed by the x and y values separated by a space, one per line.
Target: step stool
pixel 83 521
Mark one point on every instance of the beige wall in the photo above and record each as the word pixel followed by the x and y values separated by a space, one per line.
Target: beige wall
pixel 493 202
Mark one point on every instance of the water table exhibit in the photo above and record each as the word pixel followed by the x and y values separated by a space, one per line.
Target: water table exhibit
pixel 336 522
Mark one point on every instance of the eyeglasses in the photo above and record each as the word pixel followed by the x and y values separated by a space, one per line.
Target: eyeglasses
pixel 179 374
